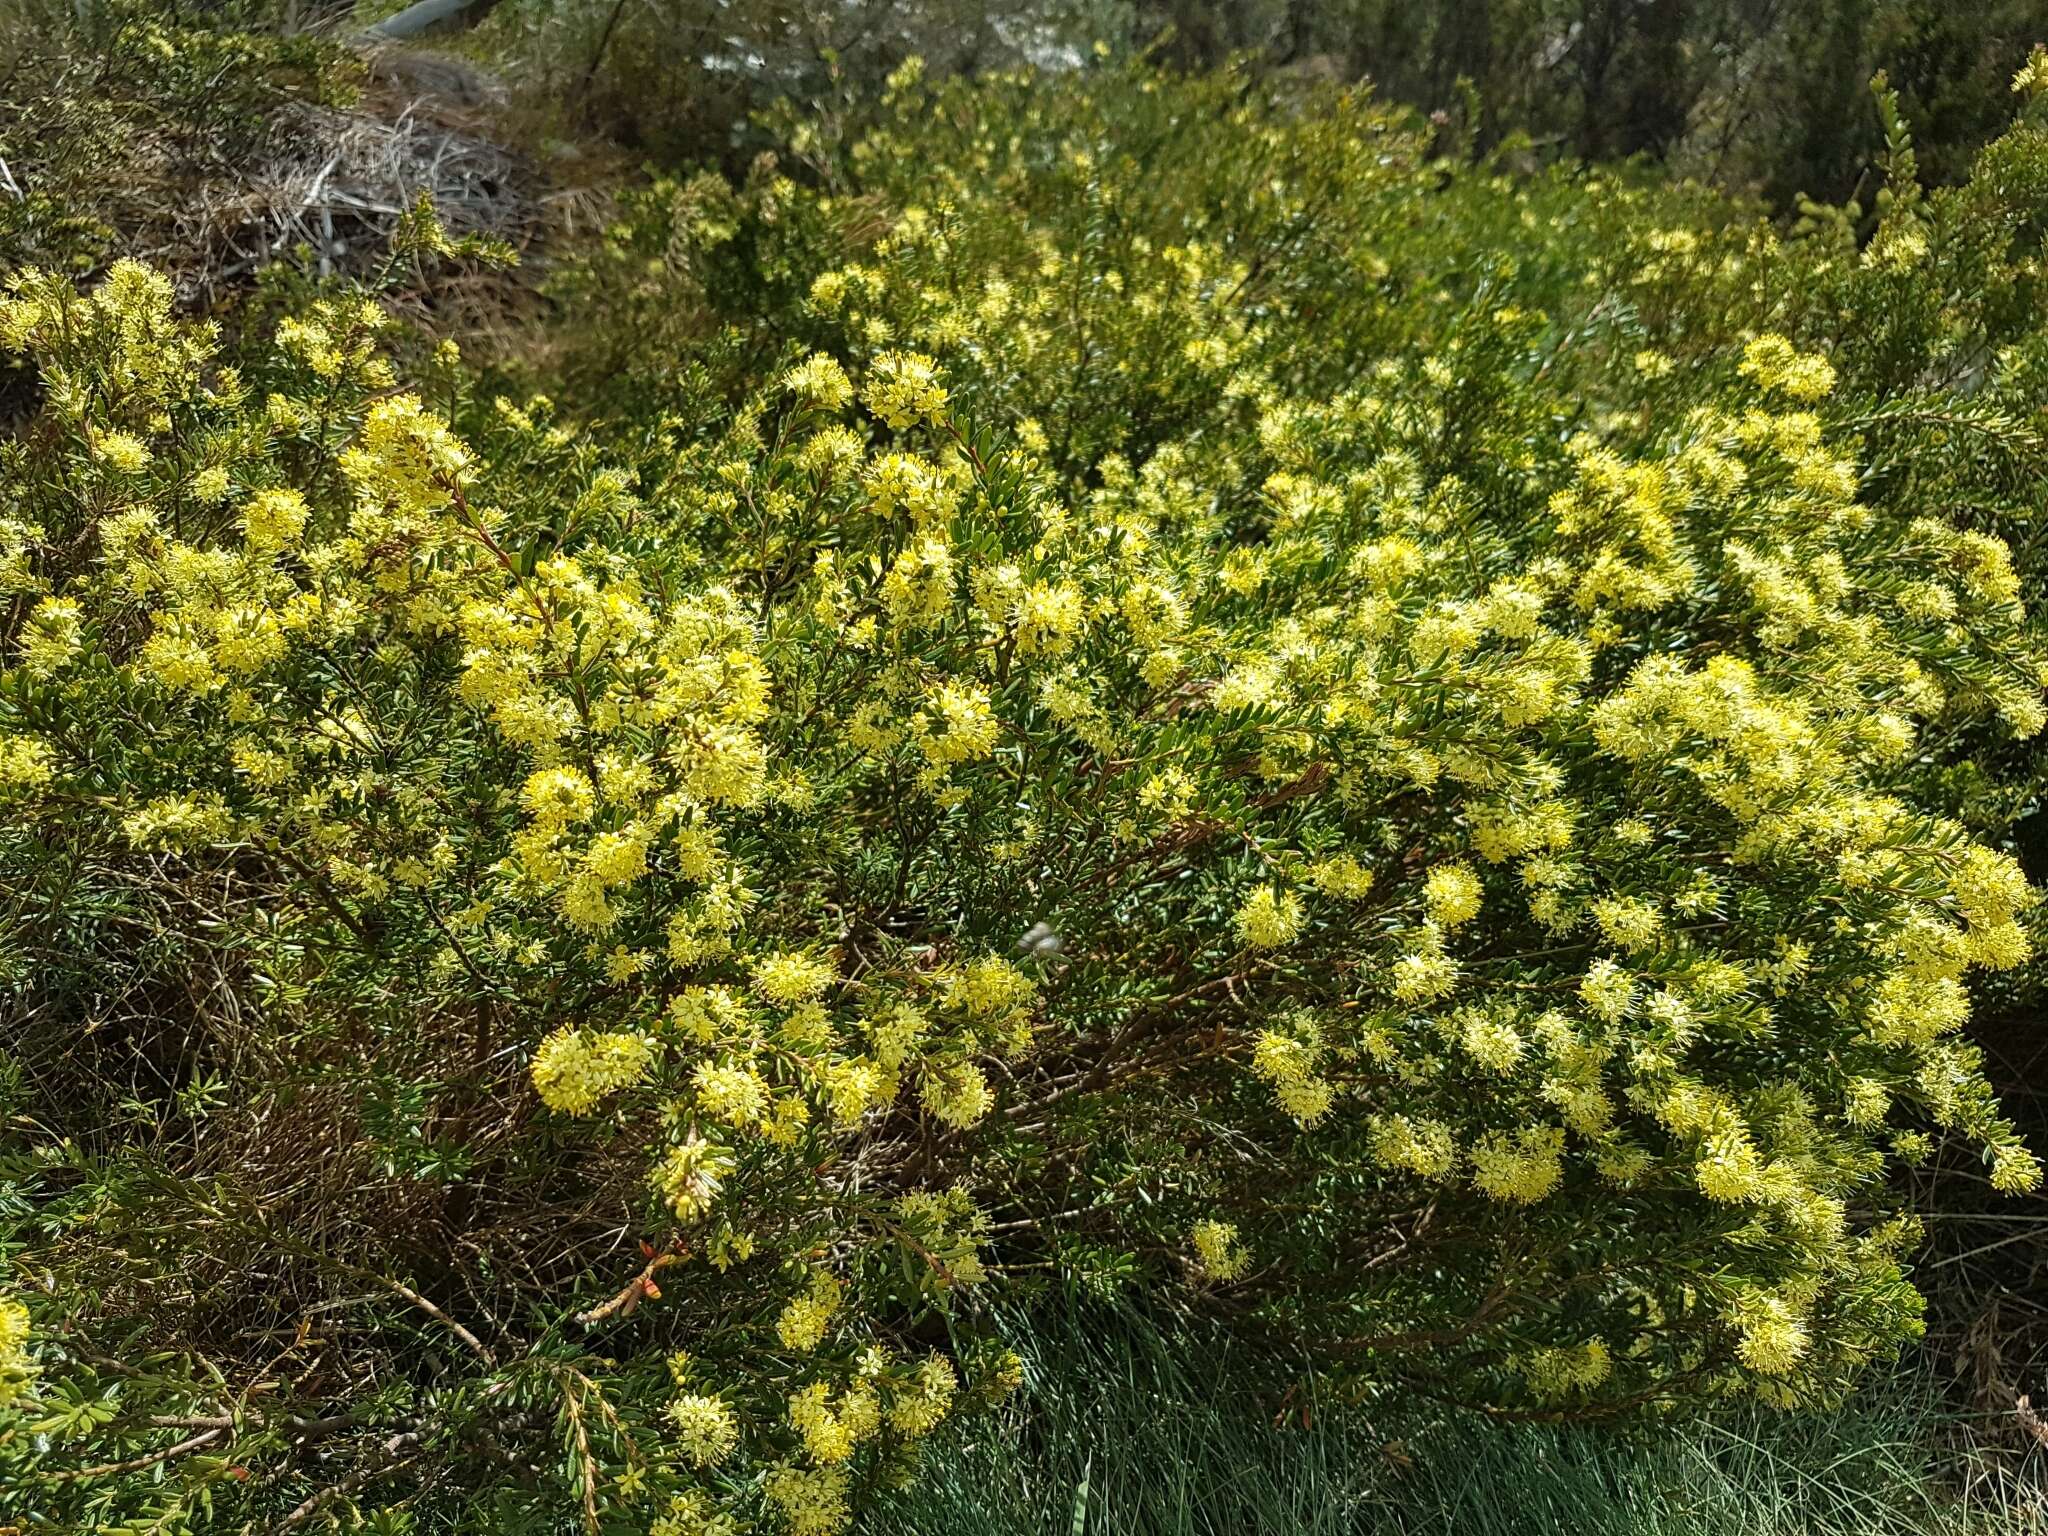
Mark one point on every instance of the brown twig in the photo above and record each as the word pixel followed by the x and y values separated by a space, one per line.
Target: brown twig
pixel 640 1288
pixel 109 1469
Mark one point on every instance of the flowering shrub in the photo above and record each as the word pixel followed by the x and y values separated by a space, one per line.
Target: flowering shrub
pixel 569 956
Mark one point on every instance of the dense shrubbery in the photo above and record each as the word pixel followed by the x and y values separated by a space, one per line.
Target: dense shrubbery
pixel 1752 96
pixel 1126 678
pixel 1755 95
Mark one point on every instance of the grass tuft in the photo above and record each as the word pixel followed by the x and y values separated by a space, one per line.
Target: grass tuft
pixel 1125 1426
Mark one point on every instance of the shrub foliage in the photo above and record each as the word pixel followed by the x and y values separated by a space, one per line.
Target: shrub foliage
pixel 1127 678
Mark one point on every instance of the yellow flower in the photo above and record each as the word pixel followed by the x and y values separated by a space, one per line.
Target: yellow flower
pixel 15 1370
pixel 990 988
pixel 805 1318
pixel 787 978
pixel 1772 1338
pixel 1607 991
pixel 2015 1170
pixel 1522 1168
pixel 1341 875
pixel 1414 1144
pixel 1491 1041
pixel 51 637
pixel 736 1095
pixel 1286 1059
pixel 830 1435
pixel 274 520
pixel 1628 922
pixel 1269 918
pixel 1218 1251
pixel 556 797
pixel 970 726
pixel 916 1408
pixel 706 1431
pixel 1558 1373
pixel 576 1071
pixel 119 451
pixel 958 1095
pixel 405 461
pixel 819 381
pixel 811 1502
pixel 904 389
pixel 690 1177
pixel 1775 365
pixel 1451 895
pixel 180 661
pixel 1049 617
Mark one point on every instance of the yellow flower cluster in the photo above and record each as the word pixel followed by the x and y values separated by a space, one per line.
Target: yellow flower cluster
pixel 1773 1337
pixel 819 381
pixel 803 1322
pixel 809 1501
pixel 918 1406
pixel 1269 918
pixel 25 764
pixel 690 1176
pixel 1451 895
pixel 706 1431
pixel 830 1434
pixel 1522 1168
pixel 16 1371
pixel 1776 365
pixel 1562 1372
pixel 1286 1058
pixel 904 388
pixel 576 1070
pixel 1218 1251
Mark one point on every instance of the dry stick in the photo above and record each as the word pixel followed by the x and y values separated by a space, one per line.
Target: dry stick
pixel 631 1294
pixel 2030 1420
pixel 300 1428
pixel 78 1474
pixel 355 1479
pixel 604 41
pixel 482 1349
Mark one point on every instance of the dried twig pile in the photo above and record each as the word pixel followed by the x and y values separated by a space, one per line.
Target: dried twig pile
pixel 333 183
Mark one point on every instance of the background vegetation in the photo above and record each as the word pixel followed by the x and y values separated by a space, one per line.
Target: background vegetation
pixel 1753 94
